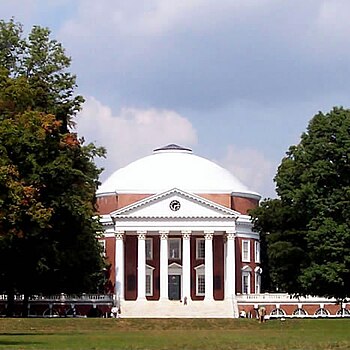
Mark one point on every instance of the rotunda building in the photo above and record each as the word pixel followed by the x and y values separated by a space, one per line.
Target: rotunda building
pixel 177 234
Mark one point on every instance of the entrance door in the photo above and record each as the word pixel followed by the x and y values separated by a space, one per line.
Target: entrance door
pixel 174 283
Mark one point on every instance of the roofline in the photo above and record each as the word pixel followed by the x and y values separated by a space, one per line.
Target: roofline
pixel 250 195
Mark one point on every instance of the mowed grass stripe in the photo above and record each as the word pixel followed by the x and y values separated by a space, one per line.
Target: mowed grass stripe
pixel 169 334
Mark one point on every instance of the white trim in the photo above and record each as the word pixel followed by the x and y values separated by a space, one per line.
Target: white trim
pixel 149 272
pixel 257 281
pixel 257 251
pixel 200 271
pixel 245 258
pixel 246 274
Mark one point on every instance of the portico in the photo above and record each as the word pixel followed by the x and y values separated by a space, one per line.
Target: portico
pixel 174 257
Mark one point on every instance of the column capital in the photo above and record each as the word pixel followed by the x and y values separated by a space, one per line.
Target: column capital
pixel 119 234
pixel 230 234
pixel 163 234
pixel 208 235
pixel 186 234
pixel 141 234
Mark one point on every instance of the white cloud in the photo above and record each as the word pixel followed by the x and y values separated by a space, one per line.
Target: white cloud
pixel 252 168
pixel 132 133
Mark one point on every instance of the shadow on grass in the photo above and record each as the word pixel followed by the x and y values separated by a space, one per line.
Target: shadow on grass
pixel 17 342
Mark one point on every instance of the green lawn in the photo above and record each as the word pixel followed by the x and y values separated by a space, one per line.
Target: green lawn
pixel 174 334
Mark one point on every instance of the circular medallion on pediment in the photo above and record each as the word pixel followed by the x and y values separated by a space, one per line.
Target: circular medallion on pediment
pixel 175 205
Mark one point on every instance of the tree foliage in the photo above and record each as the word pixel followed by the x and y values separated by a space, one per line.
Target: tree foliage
pixel 307 229
pixel 47 175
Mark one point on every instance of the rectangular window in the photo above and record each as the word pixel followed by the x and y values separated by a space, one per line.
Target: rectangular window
pixel 149 286
pixel 200 248
pixel 200 284
pixel 257 283
pixel 257 252
pixel 149 250
pixel 245 283
pixel 174 248
pixel 246 251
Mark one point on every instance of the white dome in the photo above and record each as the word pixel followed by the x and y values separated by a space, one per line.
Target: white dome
pixel 173 167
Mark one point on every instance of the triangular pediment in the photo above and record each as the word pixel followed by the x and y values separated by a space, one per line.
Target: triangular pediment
pixel 175 204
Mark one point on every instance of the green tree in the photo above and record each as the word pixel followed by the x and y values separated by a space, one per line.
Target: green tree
pixel 307 230
pixel 48 178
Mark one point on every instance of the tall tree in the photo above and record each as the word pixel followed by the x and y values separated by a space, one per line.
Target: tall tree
pixel 307 229
pixel 47 175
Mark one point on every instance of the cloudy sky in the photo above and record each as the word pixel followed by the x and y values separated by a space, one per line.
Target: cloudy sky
pixel 236 80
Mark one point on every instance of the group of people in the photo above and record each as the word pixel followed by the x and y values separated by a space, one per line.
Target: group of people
pixel 261 314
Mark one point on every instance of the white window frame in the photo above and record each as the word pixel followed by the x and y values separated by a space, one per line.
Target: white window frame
pixel 257 252
pixel 198 242
pixel 169 244
pixel 151 248
pixel 246 274
pixel 246 258
pixel 200 273
pixel 278 312
pixel 300 312
pixel 257 283
pixel 321 312
pixel 149 274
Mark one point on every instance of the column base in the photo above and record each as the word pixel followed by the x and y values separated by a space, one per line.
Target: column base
pixel 209 299
pixel 141 299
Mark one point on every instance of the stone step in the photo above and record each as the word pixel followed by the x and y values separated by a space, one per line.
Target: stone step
pixel 177 309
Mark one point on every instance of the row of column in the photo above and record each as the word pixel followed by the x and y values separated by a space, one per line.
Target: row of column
pixel 186 265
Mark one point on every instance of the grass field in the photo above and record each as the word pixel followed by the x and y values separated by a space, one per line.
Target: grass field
pixel 220 334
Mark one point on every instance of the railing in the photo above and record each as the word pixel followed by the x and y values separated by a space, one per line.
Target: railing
pixel 62 297
pixel 281 297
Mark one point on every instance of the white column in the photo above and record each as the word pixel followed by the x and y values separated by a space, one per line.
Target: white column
pixel 141 265
pixel 186 265
pixel 208 235
pixel 230 290
pixel 119 265
pixel 163 268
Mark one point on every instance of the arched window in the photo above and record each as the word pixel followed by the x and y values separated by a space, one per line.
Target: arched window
pixel 278 312
pixel 321 312
pixel 343 312
pixel 299 312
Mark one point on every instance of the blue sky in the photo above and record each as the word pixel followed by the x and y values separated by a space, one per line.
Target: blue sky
pixel 236 80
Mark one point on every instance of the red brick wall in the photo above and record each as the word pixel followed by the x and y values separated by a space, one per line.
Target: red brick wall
pixel 130 263
pixel 218 267
pixel 107 204
pixel 221 199
pixel 242 204
pixel 240 264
